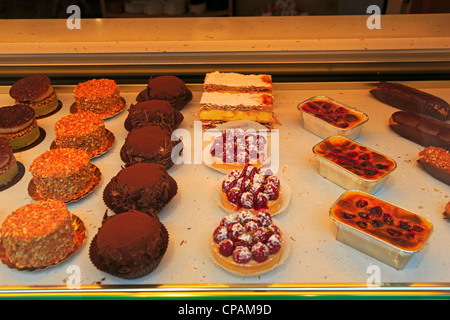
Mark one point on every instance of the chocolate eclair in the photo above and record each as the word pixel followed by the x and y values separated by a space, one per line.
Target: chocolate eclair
pixel 169 88
pixel 154 112
pixel 18 125
pixel 37 92
pixel 145 187
pixel 151 144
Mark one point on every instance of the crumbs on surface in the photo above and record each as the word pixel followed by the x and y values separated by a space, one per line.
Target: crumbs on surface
pixel 59 162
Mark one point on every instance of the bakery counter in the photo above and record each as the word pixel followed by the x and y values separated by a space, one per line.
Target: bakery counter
pixel 315 262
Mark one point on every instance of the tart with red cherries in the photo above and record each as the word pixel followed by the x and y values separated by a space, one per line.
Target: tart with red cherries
pixel 254 189
pixel 235 147
pixel 247 243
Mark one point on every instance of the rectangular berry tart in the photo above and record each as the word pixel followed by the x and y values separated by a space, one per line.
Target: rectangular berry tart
pixel 378 228
pixel 352 165
pixel 326 117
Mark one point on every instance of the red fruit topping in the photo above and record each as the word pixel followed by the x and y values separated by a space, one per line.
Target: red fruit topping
pixel 251 226
pixel 259 235
pixel 244 216
pixel 274 243
pixel 235 230
pixel 264 218
pixel 235 173
pixel 272 191
pixel 242 254
pixel 260 252
pixel 220 234
pixel 273 180
pixel 228 183
pixel 387 218
pixel 225 221
pixel 234 195
pixel 361 203
pixel 261 201
pixel 247 200
pixel 273 229
pixel 376 211
pixel 226 247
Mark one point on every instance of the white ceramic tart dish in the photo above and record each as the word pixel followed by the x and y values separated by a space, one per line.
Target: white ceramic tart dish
pixel 248 244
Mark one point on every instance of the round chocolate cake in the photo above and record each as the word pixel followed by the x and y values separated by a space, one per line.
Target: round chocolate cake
pixel 145 187
pixel 18 125
pixel 150 144
pixel 37 92
pixel 169 88
pixel 8 164
pixel 154 112
pixel 129 245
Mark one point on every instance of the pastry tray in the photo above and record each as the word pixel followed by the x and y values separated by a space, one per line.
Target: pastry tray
pixel 316 260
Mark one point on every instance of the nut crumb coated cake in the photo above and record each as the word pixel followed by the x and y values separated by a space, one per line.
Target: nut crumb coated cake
pixel 62 174
pixel 38 234
pixel 83 130
pixel 101 96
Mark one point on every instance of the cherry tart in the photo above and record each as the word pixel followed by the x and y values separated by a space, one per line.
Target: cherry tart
pixel 235 147
pixel 254 189
pixel 247 243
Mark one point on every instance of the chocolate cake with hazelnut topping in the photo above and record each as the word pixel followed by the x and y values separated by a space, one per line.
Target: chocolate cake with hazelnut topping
pixel 129 245
pixel 63 174
pixel 18 126
pixel 8 164
pixel 145 187
pixel 169 88
pixel 151 144
pixel 247 243
pixel 37 92
pixel 38 234
pixel 101 96
pixel 153 112
pixel 83 130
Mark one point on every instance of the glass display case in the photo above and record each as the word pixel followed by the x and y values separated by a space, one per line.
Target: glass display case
pixel 340 57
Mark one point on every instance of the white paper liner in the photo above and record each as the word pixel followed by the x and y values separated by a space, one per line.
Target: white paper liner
pixel 284 253
pixel 208 159
pixel 285 197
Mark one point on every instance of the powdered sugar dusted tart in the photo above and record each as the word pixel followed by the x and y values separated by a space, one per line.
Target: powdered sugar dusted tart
pixel 254 189
pixel 247 243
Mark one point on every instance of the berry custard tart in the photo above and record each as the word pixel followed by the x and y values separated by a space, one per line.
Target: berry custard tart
pixel 247 243
pixel 352 165
pixel 253 189
pixel 235 147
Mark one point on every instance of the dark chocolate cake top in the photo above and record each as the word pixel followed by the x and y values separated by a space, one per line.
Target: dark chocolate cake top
pixel 12 116
pixel 148 140
pixel 30 87
pixel 142 175
pixel 130 230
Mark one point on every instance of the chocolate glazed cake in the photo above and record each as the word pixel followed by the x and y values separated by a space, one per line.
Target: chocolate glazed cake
pixel 129 245
pixel 37 92
pixel 154 112
pixel 18 125
pixel 169 88
pixel 145 187
pixel 150 144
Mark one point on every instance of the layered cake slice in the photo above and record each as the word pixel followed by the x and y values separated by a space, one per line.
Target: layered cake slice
pixel 235 82
pixel 220 107
pixel 18 126
pixel 234 96
pixel 8 164
pixel 37 92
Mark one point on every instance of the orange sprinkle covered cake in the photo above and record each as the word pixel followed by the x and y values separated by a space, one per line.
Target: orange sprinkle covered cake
pixel 38 234
pixel 63 174
pixel 83 130
pixel 101 96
